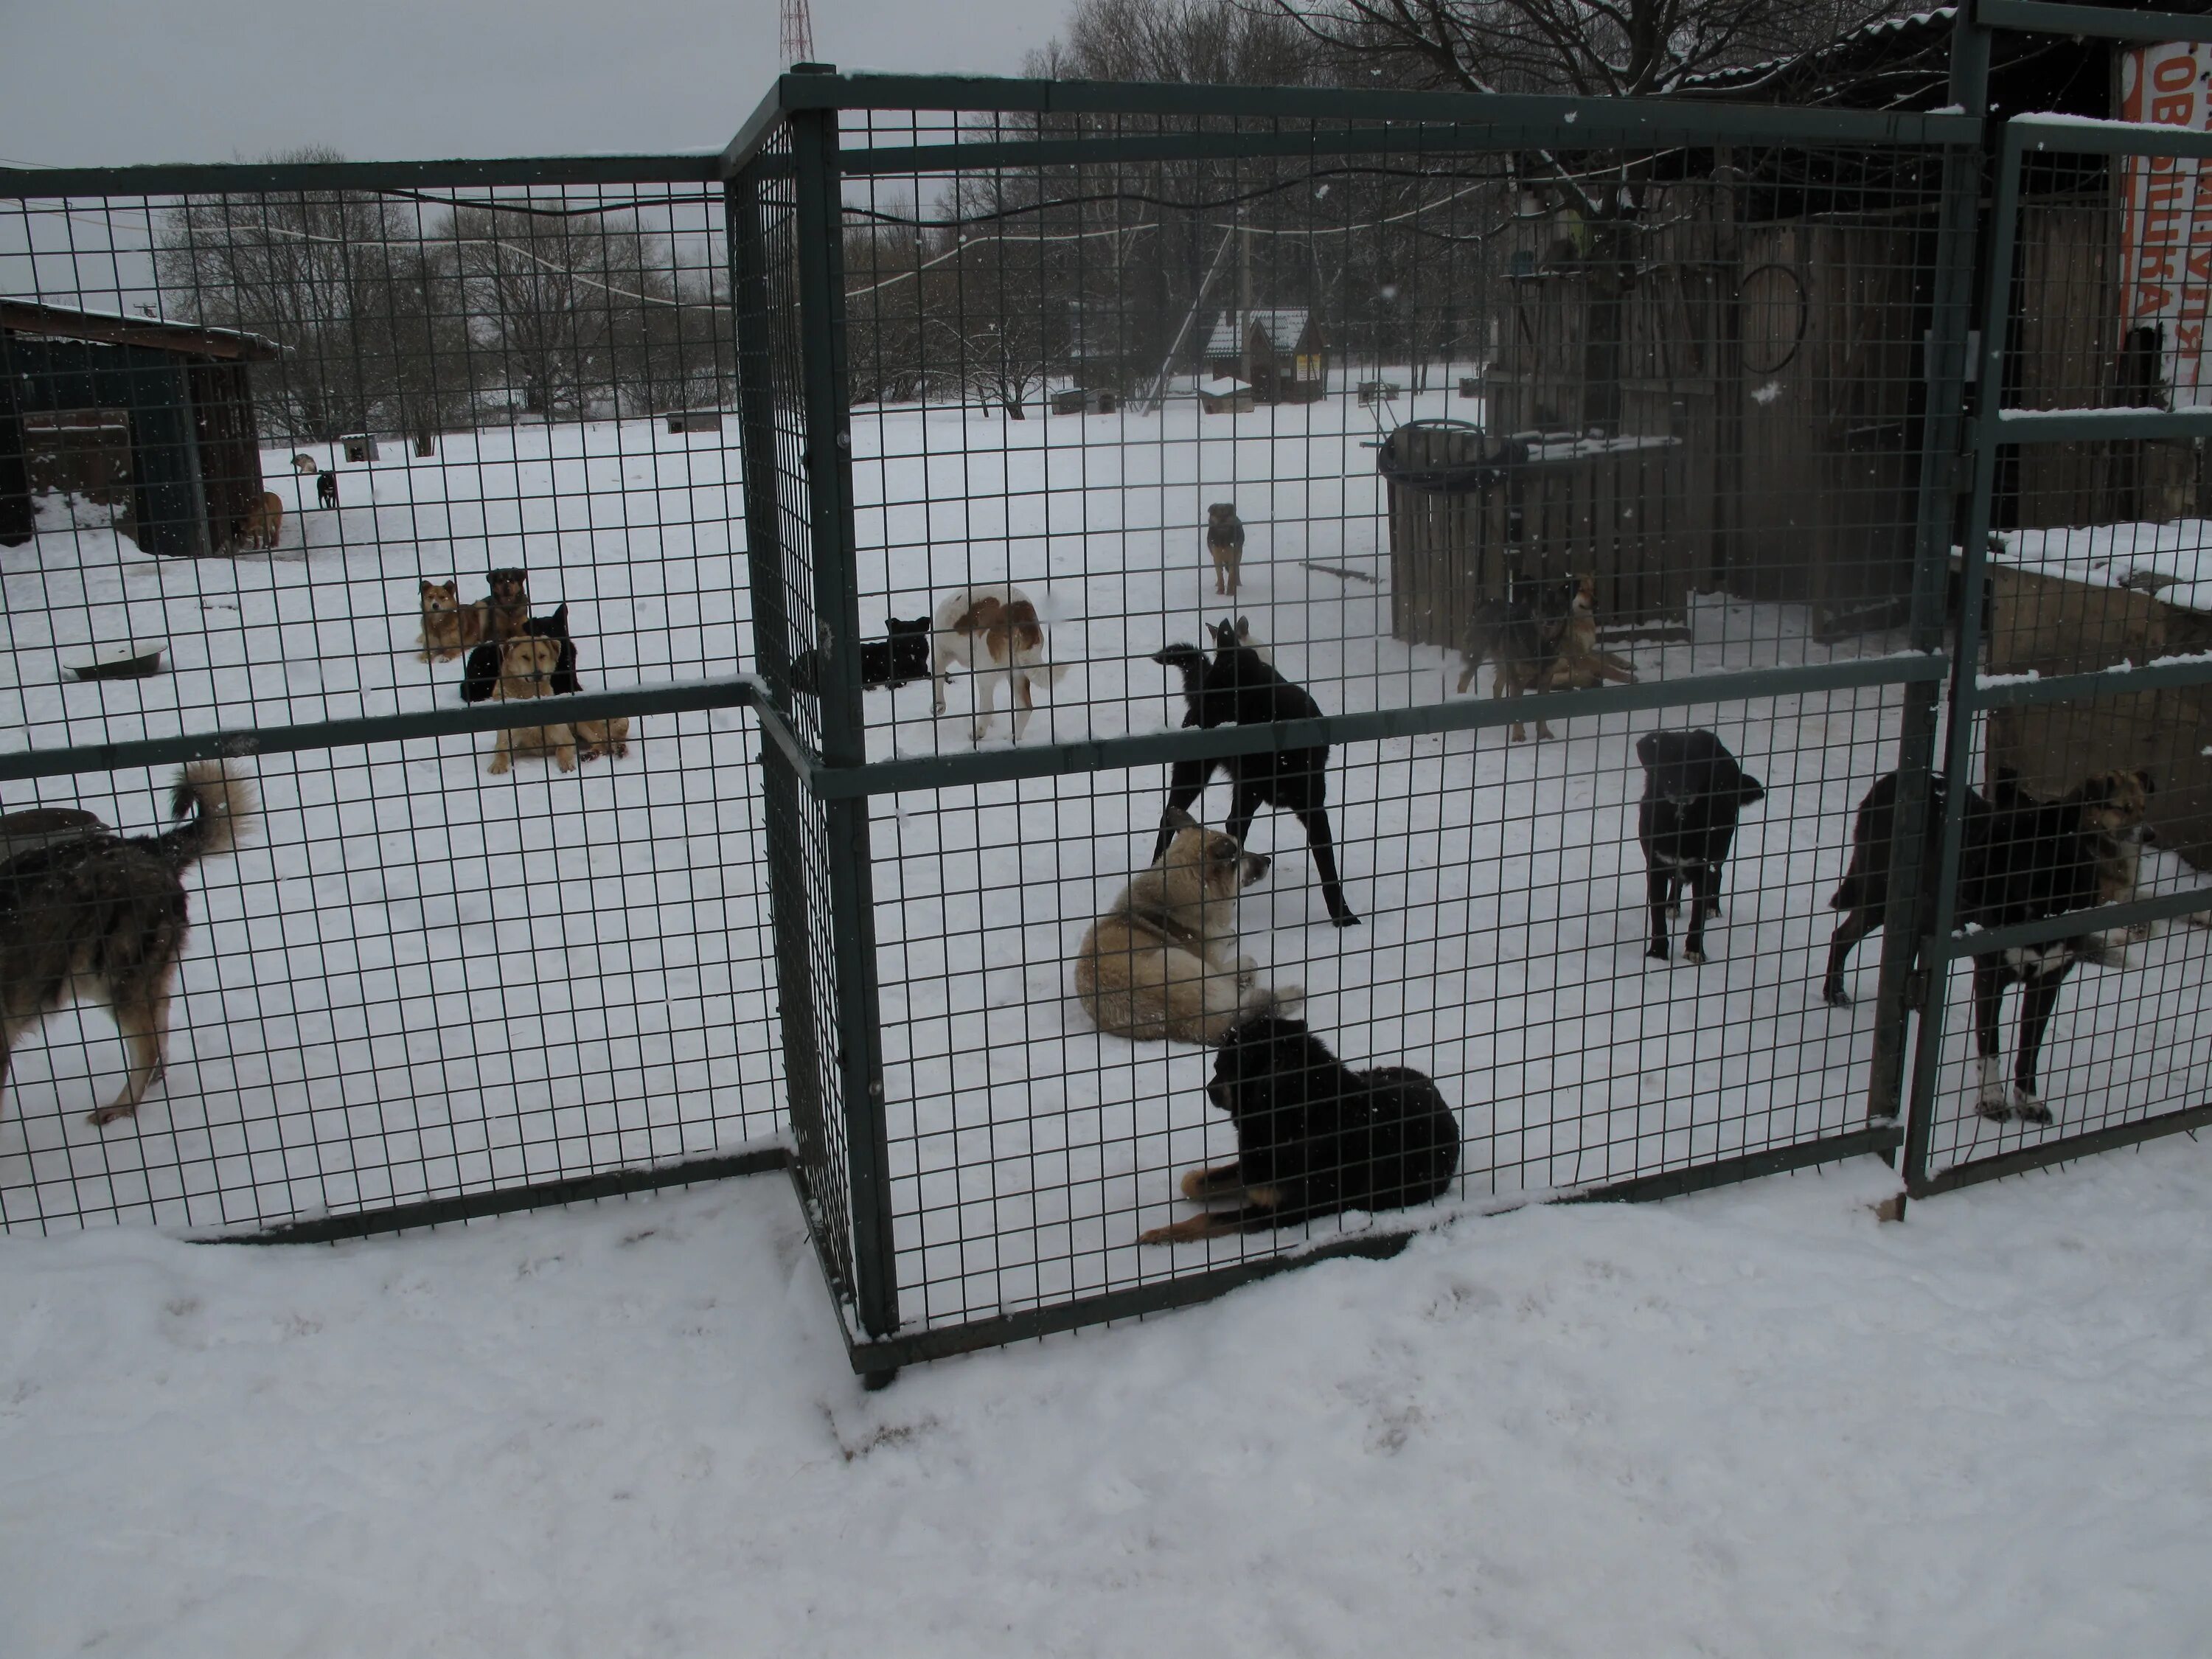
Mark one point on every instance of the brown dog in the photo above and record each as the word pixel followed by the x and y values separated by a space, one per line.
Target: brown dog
pixel 1224 543
pixel 1519 635
pixel 1579 665
pixel 525 671
pixel 87 913
pixel 597 737
pixel 507 612
pixel 303 464
pixel 1160 963
pixel 449 627
pixel 262 523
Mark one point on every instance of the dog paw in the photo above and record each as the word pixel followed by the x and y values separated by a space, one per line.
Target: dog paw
pixel 1345 919
pixel 109 1113
pixel 1835 996
pixel 2027 1107
pixel 1695 959
pixel 498 768
pixel 1658 951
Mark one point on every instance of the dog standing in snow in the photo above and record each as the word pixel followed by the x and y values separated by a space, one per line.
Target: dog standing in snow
pixel 995 633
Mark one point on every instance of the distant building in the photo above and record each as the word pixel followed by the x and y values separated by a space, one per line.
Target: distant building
pixel 1281 354
pixel 178 394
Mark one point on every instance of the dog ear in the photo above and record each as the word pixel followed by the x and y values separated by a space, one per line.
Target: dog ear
pixel 2143 777
pixel 1750 790
pixel 1179 820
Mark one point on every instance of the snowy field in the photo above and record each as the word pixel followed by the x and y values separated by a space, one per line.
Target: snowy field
pixel 426 981
pixel 1752 1424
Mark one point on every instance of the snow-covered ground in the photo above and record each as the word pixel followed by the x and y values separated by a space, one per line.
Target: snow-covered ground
pixel 426 981
pixel 1752 1423
pixel 2173 560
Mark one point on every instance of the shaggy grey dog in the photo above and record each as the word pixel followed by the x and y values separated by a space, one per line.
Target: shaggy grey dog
pixel 87 913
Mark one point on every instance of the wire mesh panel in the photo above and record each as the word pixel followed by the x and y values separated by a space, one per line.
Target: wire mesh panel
pixel 2082 736
pixel 320 457
pixel 1227 490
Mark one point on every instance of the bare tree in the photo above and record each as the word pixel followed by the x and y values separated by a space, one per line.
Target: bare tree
pixel 310 270
pixel 1595 48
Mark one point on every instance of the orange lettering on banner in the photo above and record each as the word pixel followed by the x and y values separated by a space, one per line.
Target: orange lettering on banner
pixel 2156 266
pixel 2174 112
pixel 2174 73
pixel 2149 301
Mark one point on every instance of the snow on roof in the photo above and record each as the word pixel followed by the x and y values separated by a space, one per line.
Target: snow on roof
pixel 1282 329
pixel 27 316
pixel 2172 561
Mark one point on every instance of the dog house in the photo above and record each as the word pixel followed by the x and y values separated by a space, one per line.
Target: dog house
pixel 1281 354
pixel 358 446
pixel 174 399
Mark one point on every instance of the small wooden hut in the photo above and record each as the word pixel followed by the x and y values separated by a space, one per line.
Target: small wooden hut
pixel 1281 354
pixel 181 393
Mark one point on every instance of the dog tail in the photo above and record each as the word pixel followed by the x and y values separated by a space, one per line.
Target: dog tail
pixel 216 810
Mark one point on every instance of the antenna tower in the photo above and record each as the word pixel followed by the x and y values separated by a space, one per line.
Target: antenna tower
pixel 798 33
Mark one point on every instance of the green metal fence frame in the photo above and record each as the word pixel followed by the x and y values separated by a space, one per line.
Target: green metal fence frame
pixel 839 777
pixel 835 773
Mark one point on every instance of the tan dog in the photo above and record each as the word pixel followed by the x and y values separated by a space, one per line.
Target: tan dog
pixel 303 464
pixel 598 737
pixel 525 671
pixel 1580 665
pixel 995 633
pixel 85 913
pixel 261 524
pixel 1224 543
pixel 449 627
pixel 1161 963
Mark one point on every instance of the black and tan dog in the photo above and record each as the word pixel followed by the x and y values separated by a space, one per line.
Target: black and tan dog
pixel 1693 791
pixel 326 489
pixel 1519 636
pixel 87 913
pixel 885 664
pixel 2021 860
pixel 1224 545
pixel 1240 687
pixel 507 612
pixel 1313 1137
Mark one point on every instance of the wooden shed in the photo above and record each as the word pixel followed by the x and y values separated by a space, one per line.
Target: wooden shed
pixel 181 393
pixel 1281 354
pixel 2051 624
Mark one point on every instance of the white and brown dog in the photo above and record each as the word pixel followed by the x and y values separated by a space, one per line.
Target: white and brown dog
pixel 995 634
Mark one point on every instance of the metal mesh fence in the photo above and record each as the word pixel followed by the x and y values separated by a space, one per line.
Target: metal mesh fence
pixel 1154 422
pixel 273 450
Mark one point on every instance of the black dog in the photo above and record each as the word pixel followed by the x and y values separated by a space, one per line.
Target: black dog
pixel 326 489
pixel 1692 791
pixel 1238 688
pixel 480 673
pixel 1863 897
pixel 886 663
pixel 1313 1137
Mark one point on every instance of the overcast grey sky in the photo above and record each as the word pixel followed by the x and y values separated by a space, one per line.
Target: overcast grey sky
pixel 99 82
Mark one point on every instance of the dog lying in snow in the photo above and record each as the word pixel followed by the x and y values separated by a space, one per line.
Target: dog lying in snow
pixel 1314 1137
pixel 1161 962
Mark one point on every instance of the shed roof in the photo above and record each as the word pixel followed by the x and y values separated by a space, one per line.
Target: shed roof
pixel 121 328
pixel 1282 329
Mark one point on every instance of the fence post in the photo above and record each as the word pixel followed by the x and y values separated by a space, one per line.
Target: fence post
pixel 752 303
pixel 827 444
pixel 1941 891
pixel 1958 246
